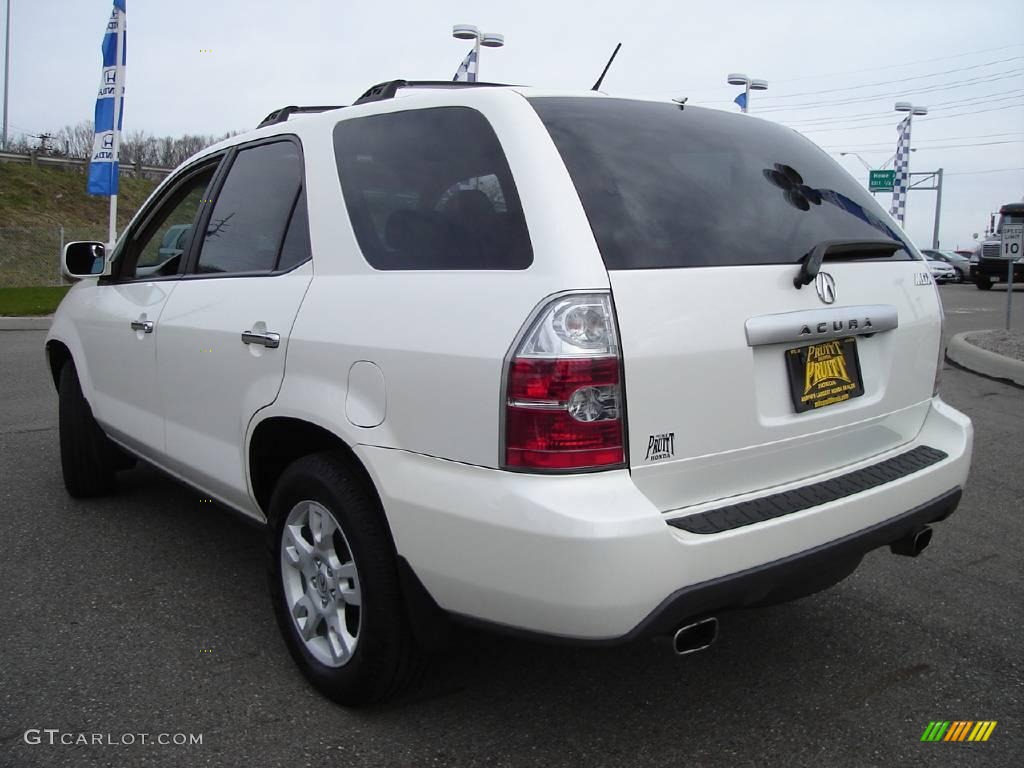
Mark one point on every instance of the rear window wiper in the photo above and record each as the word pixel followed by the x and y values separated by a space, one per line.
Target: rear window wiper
pixel 840 249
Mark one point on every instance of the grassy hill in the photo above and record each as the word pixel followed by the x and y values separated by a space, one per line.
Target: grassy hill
pixel 35 202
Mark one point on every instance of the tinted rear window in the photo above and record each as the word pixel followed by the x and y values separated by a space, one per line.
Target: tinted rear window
pixel 669 187
pixel 431 189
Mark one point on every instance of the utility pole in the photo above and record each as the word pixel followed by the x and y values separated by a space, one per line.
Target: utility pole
pixel 7 68
pixel 938 208
pixel 935 177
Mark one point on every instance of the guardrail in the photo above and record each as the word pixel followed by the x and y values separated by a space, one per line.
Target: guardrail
pixel 77 163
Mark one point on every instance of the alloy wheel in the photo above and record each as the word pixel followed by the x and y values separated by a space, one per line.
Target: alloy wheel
pixel 321 583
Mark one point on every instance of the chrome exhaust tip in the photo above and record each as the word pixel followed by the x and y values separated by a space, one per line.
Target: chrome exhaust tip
pixel 691 638
pixel 914 543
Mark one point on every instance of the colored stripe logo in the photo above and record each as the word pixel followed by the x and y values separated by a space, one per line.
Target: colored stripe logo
pixel 958 730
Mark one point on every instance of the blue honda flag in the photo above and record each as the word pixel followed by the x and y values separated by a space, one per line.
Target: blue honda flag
pixel 741 100
pixel 103 168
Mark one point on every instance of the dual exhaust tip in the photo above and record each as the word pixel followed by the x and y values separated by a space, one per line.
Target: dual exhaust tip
pixel 700 635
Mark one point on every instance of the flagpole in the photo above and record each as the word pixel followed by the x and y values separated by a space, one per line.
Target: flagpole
pixel 118 91
pixel 7 67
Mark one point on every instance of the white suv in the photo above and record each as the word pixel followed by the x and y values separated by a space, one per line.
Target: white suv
pixel 581 367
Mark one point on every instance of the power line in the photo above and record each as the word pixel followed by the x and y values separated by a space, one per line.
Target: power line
pixel 891 66
pixel 947 146
pixel 952 85
pixel 860 117
pixel 887 68
pixel 990 170
pixel 945 138
pixel 930 119
pixel 889 82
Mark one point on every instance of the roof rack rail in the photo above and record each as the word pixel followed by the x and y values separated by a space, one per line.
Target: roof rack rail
pixel 281 115
pixel 387 90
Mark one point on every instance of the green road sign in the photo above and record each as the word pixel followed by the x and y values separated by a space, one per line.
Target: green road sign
pixel 881 181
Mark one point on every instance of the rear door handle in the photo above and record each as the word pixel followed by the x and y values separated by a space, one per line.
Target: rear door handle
pixel 271 340
pixel 142 325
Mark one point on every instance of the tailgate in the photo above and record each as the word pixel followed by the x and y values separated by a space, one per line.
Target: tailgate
pixel 710 411
pixel 703 220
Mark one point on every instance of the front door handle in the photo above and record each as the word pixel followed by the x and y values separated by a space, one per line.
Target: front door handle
pixel 142 325
pixel 271 340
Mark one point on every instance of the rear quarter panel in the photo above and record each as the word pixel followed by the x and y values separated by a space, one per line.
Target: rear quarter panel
pixel 439 337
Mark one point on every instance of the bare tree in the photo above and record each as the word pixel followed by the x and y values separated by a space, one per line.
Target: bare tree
pixel 136 145
pixel 75 140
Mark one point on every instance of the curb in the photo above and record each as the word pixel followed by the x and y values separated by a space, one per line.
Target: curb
pixel 978 360
pixel 26 323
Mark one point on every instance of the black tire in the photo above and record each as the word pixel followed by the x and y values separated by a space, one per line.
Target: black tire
pixel 87 457
pixel 386 660
pixel 983 283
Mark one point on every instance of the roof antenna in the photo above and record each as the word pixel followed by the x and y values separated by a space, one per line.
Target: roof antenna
pixel 606 66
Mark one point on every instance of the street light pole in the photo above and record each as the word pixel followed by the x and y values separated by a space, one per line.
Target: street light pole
pixel 749 84
pixel 900 211
pixel 486 39
pixel 7 67
pixel 862 160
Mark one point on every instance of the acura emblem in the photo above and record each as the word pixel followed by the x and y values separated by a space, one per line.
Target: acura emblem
pixel 826 287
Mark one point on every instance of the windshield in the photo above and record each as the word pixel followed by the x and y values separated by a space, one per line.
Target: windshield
pixel 664 186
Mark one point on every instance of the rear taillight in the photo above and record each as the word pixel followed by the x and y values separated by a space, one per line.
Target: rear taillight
pixel 563 389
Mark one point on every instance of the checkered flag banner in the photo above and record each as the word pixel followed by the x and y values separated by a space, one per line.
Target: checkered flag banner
pixel 899 187
pixel 466 73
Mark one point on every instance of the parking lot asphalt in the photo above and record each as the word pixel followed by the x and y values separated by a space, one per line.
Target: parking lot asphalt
pixel 147 612
pixel 968 309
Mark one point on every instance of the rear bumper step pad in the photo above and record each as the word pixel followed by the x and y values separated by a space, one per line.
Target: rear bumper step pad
pixel 799 499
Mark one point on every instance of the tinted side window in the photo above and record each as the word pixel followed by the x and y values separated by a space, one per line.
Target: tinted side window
pixel 158 250
pixel 249 218
pixel 670 187
pixel 431 189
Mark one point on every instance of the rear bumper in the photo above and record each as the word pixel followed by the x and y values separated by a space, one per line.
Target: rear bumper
pixel 799 574
pixel 590 558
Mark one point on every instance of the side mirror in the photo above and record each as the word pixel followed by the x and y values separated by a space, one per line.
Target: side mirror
pixel 84 258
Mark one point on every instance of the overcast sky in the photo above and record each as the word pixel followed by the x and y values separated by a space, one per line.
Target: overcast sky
pixel 263 55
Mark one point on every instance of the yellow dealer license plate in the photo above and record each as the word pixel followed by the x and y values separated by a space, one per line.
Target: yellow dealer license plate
pixel 824 374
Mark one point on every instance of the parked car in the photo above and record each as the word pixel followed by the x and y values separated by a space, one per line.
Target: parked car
pixel 986 265
pixel 941 271
pixel 960 264
pixel 512 398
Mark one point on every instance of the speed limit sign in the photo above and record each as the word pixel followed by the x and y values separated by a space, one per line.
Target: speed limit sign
pixel 1012 247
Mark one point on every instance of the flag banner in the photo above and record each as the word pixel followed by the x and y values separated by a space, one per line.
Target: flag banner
pixel 103 167
pixel 466 73
pixel 902 165
pixel 741 100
